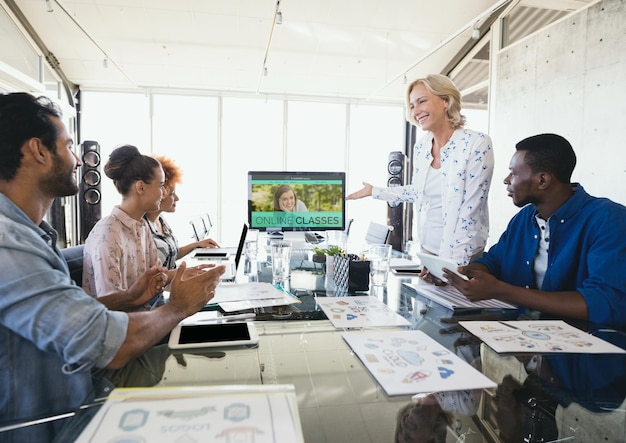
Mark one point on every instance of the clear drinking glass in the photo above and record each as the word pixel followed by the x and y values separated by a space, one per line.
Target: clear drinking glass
pixel 379 257
pixel 281 257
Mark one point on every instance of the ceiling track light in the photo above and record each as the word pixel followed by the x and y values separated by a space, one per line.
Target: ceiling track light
pixel 105 63
pixel 278 15
pixel 47 4
pixel 265 72
pixel 475 32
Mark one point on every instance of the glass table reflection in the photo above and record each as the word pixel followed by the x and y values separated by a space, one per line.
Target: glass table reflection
pixel 539 398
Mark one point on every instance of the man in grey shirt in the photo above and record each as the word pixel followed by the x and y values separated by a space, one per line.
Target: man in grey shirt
pixel 52 334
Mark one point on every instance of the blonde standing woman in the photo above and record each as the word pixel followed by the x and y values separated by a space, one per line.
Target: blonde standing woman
pixel 452 171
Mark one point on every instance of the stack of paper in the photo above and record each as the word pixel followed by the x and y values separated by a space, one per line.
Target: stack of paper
pixel 451 298
pixel 260 414
pixel 410 362
pixel 240 296
pixel 359 312
pixel 538 336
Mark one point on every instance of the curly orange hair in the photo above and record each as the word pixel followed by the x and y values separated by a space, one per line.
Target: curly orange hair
pixel 173 174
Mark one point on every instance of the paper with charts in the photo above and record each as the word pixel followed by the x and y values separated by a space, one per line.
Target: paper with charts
pixel 259 414
pixel 359 311
pixel 241 296
pixel 410 362
pixel 538 336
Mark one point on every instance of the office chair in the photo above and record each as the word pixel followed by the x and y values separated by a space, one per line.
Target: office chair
pixel 377 233
pixel 206 223
pixel 199 231
pixel 74 258
pixel 346 231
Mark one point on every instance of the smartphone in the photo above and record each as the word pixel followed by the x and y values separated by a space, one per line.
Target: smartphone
pixel 406 271
pixel 198 335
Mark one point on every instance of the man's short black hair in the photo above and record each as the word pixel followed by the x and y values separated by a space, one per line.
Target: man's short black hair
pixel 549 153
pixel 22 117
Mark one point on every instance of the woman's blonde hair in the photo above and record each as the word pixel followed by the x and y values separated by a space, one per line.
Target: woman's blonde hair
pixel 444 88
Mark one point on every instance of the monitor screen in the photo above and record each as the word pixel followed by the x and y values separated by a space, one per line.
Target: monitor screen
pixel 296 201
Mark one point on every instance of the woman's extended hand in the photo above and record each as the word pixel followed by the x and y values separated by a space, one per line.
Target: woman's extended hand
pixel 365 191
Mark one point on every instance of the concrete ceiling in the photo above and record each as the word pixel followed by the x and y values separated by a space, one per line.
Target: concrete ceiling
pixel 361 50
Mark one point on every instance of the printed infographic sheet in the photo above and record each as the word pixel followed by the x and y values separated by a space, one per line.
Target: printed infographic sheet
pixel 240 296
pixel 538 336
pixel 263 414
pixel 359 311
pixel 410 362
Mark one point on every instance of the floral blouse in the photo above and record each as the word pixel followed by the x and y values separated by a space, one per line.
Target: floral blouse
pixel 466 167
pixel 117 251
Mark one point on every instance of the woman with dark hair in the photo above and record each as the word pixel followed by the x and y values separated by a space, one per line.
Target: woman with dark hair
pixel 120 247
pixel 286 200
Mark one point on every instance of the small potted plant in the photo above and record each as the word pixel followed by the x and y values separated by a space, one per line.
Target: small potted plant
pixel 319 254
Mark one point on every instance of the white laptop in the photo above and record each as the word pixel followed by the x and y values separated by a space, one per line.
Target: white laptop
pixel 231 267
pixel 221 253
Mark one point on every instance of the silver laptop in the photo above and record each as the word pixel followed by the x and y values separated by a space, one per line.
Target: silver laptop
pixel 220 253
pixel 231 267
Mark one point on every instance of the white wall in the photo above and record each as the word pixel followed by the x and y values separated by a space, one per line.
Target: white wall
pixel 569 79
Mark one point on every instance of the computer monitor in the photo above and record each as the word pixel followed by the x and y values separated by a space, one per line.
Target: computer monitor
pixel 281 201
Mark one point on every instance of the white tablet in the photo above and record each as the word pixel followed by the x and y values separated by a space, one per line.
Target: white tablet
pixel 434 264
pixel 213 334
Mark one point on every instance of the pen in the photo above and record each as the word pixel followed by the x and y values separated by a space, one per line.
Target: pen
pixel 229 318
pixel 510 326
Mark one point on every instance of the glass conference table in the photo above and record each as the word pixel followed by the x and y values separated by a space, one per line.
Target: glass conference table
pixel 539 398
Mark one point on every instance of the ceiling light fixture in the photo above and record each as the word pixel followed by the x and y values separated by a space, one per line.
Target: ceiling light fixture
pixel 107 60
pixel 475 32
pixel 461 32
pixel 47 4
pixel 278 15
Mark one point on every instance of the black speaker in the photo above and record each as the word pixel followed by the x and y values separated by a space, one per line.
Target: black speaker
pixel 90 193
pixel 396 167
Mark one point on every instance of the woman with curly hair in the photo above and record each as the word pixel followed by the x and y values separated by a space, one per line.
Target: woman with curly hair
pixel 166 242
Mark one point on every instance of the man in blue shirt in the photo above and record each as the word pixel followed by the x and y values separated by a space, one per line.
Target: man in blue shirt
pixel 564 252
pixel 52 334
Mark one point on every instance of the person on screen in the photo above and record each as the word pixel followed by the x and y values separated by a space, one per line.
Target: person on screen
pixel 286 200
pixel 166 242
pixel 120 246
pixel 564 251
pixel 452 170
pixel 52 334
